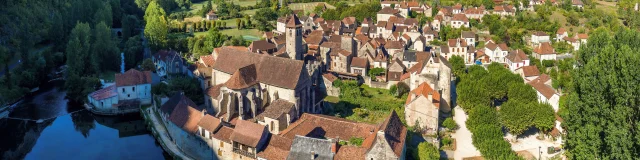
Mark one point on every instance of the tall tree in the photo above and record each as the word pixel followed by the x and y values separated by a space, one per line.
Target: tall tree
pixel 78 49
pixel 104 51
pixel 129 26
pixel 104 14
pixel 157 28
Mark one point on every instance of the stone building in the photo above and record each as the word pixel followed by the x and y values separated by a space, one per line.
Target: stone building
pixel 422 108
pixel 293 33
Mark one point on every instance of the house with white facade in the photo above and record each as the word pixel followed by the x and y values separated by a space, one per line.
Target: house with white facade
pixel 469 37
pixel 539 37
pixel 544 51
pixel 168 62
pixel 517 59
pixel 459 21
pixel 546 94
pixel 496 52
pixel 560 34
pixel 132 88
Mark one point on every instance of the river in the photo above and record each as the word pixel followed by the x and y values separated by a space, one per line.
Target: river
pixel 68 131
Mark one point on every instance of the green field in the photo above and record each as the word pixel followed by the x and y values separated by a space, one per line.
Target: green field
pixel 361 113
pixel 307 6
pixel 247 34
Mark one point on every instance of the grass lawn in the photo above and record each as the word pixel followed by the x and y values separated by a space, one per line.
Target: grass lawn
pixel 249 12
pixel 247 34
pixel 108 75
pixel 307 6
pixel 359 113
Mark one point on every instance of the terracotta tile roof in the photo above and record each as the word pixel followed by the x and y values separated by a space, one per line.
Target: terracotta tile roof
pixel 268 35
pixel 576 2
pixel 454 42
pixel 248 133
pixel 561 31
pixel 350 153
pixel 540 33
pixel 394 45
pixel 186 114
pixel 544 48
pixel 468 34
pixel 516 56
pixel 133 77
pixel 277 148
pixel 545 90
pixel 349 20
pixel 276 109
pixel 388 10
pixel 104 93
pixel 529 71
pixel 244 77
pixel 359 62
pixel 503 46
pixel 293 22
pixel 261 45
pixel 425 90
pixel 271 70
pixel 406 36
pixel 583 36
pixel 458 6
pixel 318 126
pixel 210 123
pixel 569 39
pixel 223 134
pixel 208 60
pixel 543 78
pixel 469 11
pixel 330 77
pixel 460 17
pixel 214 91
pixel 204 71
pixel 410 21
pixel 394 76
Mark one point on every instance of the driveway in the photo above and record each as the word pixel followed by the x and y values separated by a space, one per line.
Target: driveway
pixel 464 142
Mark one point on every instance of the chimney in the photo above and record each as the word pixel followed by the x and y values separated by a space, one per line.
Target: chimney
pixel 430 97
pixel 313 155
pixel 334 145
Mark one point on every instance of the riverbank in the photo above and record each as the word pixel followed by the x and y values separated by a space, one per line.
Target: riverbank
pixel 111 112
pixel 161 133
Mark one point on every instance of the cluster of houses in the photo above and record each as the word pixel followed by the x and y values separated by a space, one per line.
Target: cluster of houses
pixel 264 101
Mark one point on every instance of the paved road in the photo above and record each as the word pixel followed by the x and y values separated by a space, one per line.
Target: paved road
pixel 164 135
pixel 464 142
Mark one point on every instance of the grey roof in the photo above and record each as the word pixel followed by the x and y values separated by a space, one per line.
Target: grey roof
pixel 302 147
pixel 409 56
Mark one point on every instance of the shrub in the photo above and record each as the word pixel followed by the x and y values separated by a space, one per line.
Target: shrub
pixel 450 124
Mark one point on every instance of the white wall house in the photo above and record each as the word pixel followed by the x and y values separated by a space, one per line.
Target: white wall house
pixel 517 59
pixel 104 98
pixel 134 85
pixel 496 52
pixel 544 51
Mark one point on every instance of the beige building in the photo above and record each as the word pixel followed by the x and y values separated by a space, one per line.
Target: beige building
pixel 422 108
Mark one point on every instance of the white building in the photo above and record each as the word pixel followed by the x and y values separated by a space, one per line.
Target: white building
pixel 517 59
pixel 132 88
pixel 544 51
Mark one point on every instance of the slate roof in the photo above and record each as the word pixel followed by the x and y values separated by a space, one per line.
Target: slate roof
pixel 302 147
pixel 409 56
pixel 133 77
pixel 165 55
pixel 276 109
pixel 247 133
pixel 359 62
pixel 271 70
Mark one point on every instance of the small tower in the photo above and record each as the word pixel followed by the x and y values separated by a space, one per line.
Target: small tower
pixel 347 43
pixel 294 38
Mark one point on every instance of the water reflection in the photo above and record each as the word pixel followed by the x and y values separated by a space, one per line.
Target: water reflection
pixel 67 131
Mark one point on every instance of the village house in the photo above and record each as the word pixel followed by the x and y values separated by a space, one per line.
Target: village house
pixel 546 94
pixel 517 59
pixel 420 44
pixel 577 3
pixel 316 148
pixel 504 10
pixel 539 37
pixel 459 21
pixel 456 47
pixel 582 38
pixel 327 84
pixel 528 73
pixel 422 107
pixel 262 47
pixel 359 66
pixel 394 47
pixel 475 13
pixel 561 34
pixel 212 16
pixel 469 37
pixel 435 70
pixel 385 13
pixel 573 42
pixel 247 139
pixel 181 117
pixel 168 62
pixel 496 52
pixel 457 9
pixel 544 51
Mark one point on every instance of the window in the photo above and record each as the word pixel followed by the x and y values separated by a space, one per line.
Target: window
pixel 102 104
pixel 221 144
pixel 122 90
pixel 219 152
pixel 128 95
pixel 133 89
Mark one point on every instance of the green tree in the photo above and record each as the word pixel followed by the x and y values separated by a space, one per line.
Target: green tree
pixel 78 49
pixel 427 151
pixel 129 26
pixel 457 65
pixel 104 51
pixel 147 65
pixel 449 123
pixel 104 14
pixel 157 28
pixel 133 52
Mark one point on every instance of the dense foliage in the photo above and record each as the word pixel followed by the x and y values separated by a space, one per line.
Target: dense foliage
pixel 603 119
pixel 360 11
pixel 426 151
pixel 189 86
pixel 156 29
pixel 483 122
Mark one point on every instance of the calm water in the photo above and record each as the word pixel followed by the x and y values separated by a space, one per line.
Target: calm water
pixel 67 131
